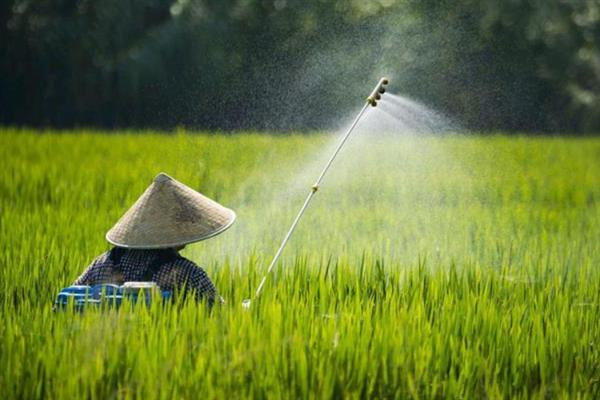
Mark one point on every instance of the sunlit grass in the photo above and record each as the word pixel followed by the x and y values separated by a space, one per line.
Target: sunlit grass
pixel 427 267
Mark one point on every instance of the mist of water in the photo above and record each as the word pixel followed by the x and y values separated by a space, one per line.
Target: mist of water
pixel 391 159
pixel 412 116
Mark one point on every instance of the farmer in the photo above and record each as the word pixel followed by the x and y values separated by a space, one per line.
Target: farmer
pixel 149 236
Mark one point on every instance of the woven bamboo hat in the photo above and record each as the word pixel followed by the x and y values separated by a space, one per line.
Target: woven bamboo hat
pixel 169 214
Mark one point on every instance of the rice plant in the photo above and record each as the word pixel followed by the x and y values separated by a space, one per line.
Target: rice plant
pixel 428 267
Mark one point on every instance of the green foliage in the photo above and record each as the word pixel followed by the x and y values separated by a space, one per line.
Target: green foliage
pixel 427 267
pixel 515 65
pixel 544 53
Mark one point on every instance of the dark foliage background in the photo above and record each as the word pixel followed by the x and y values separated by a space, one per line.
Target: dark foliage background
pixel 515 65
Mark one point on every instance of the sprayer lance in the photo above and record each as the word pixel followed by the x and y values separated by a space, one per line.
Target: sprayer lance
pixel 377 92
pixel 372 101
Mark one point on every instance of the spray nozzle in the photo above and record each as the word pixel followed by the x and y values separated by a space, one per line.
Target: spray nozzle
pixel 377 92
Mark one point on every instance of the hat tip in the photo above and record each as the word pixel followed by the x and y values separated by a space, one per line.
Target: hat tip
pixel 162 177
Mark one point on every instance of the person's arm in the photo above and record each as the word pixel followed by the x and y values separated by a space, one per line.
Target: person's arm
pixel 89 276
pixel 203 287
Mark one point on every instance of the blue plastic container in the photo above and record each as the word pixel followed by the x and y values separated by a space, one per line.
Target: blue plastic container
pixel 104 295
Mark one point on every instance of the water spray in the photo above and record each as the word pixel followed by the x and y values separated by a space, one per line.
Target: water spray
pixel 372 100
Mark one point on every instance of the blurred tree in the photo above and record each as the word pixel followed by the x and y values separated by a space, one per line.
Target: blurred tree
pixel 278 64
pixel 537 62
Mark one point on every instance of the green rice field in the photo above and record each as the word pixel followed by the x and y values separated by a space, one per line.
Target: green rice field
pixel 444 267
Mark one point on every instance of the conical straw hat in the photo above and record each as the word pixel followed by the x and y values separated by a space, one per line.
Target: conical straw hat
pixel 169 214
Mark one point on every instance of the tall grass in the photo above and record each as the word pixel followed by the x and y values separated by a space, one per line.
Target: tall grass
pixel 429 267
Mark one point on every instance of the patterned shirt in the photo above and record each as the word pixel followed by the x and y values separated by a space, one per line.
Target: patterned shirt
pixel 166 267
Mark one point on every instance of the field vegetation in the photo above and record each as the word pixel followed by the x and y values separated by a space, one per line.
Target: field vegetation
pixel 428 267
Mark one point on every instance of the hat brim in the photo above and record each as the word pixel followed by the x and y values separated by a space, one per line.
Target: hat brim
pixel 175 244
pixel 169 214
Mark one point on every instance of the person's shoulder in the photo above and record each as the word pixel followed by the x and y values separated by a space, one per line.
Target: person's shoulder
pixel 185 263
pixel 94 270
pixel 102 258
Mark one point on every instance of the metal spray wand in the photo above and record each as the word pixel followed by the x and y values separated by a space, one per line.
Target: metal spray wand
pixel 371 101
